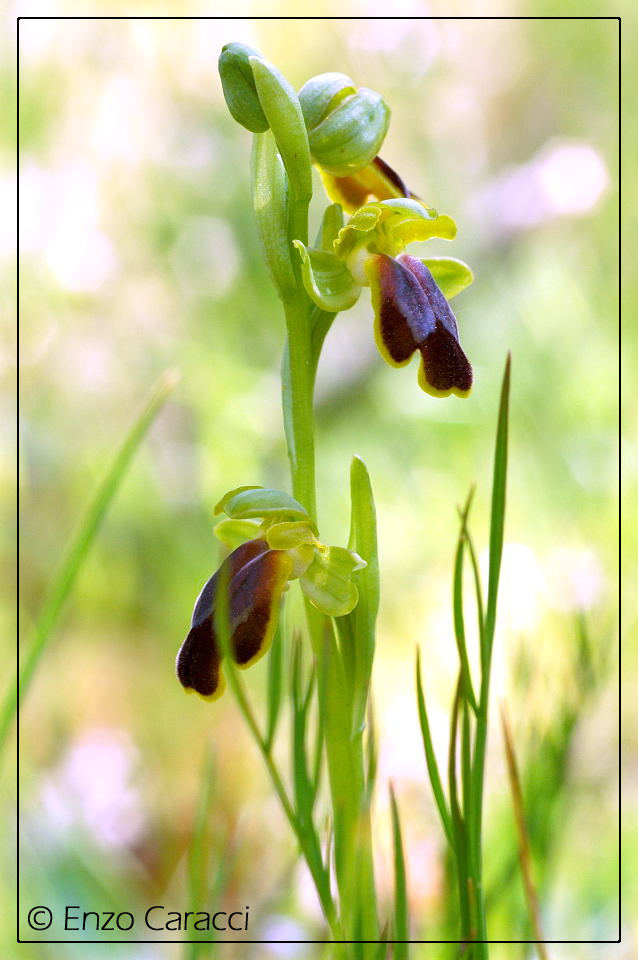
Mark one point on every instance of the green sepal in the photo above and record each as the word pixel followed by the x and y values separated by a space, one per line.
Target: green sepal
pixel 283 112
pixel 270 201
pixel 327 280
pixel 450 275
pixel 232 533
pixel 245 502
pixel 328 580
pixel 238 84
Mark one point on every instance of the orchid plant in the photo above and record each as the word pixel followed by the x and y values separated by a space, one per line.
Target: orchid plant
pixel 274 536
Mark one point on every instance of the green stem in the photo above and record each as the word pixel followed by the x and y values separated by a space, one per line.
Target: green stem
pixel 476 793
pixel 298 376
pixel 310 850
pixel 477 816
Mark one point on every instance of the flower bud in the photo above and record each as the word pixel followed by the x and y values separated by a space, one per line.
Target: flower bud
pixel 346 126
pixel 238 84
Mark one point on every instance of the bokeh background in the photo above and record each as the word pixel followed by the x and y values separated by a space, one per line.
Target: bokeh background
pixel 139 253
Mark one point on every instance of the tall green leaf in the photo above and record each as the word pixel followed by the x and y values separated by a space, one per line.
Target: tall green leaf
pixel 80 544
pixel 430 756
pixel 401 925
pixel 363 540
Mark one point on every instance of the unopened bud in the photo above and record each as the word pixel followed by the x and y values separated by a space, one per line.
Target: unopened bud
pixel 238 84
pixel 346 126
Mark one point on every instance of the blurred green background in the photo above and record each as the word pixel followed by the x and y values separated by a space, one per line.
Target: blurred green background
pixel 139 253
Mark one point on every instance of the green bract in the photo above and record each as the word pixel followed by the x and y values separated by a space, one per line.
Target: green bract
pixel 346 126
pixel 327 279
pixel 281 107
pixel 238 84
pixel 271 205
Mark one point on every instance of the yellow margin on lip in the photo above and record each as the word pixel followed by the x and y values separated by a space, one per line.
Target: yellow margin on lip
pixel 428 388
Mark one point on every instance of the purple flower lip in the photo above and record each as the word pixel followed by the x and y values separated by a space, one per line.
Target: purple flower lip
pixel 412 314
pixel 256 578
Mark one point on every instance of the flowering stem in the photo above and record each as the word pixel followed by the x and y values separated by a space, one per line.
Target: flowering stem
pixel 298 373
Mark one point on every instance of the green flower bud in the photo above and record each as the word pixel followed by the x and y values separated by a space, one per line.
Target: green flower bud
pixel 238 84
pixel 346 126
pixel 323 93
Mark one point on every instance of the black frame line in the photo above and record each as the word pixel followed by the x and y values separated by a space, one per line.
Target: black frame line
pixel 327 941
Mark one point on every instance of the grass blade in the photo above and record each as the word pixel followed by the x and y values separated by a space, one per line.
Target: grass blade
pixel 401 925
pixel 459 618
pixel 198 852
pixel 80 544
pixel 478 589
pixel 303 790
pixel 275 671
pixel 430 757
pixel 524 852
pixel 458 826
pixel 497 525
pixel 372 753
pixel 497 515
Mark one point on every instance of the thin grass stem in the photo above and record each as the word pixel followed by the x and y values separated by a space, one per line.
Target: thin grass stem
pixel 79 546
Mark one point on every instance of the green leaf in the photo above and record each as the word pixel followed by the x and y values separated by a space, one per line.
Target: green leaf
pixel 430 756
pixel 275 676
pixel 246 502
pixel 304 792
pixel 283 112
pixel 197 853
pixel 372 753
pixel 363 539
pixel 327 280
pixel 497 515
pixel 450 275
pixel 342 768
pixel 328 580
pixel 459 835
pixel 478 589
pixel 80 544
pixel 401 928
pixel 270 190
pixel 459 619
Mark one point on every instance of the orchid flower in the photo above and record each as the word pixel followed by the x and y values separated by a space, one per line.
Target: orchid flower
pixel 408 294
pixel 274 542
